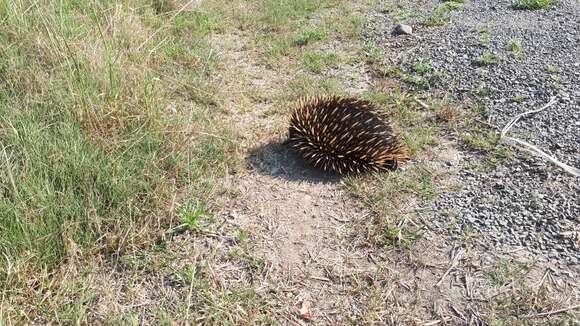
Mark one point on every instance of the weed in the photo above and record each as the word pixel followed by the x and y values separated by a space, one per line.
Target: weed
pixel 487 58
pixel 515 47
pixel 309 37
pixel 483 28
pixel 318 61
pixel 518 99
pixel 419 82
pixel 507 272
pixel 422 67
pixel 481 140
pixel 194 216
pixel 398 235
pixel 552 69
pixel 439 16
pixel 393 227
pixel 485 39
pixel 377 97
pixel 531 4
pixel 400 12
pixel 483 90
pixel 372 54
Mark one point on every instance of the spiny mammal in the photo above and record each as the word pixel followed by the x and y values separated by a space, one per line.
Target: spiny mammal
pixel 344 135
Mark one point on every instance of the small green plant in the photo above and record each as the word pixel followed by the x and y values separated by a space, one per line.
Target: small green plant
pixel 518 99
pixel 318 61
pixel 371 54
pixel 194 216
pixel 531 4
pixel 400 12
pixel 418 81
pixel 439 16
pixel 400 235
pixel 515 47
pixel 552 69
pixel 487 59
pixel 483 90
pixel 484 39
pixel 310 36
pixel 481 140
pixel 421 67
pixel 507 272
pixel 482 28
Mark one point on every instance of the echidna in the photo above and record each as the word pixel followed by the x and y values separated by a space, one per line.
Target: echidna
pixel 344 135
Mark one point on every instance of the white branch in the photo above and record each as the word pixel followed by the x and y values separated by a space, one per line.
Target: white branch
pixel 570 169
pixel 517 118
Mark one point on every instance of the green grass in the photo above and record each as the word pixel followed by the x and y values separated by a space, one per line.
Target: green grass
pixel 440 15
pixel 309 36
pixel 552 69
pixel 531 4
pixel 318 61
pixel 384 193
pixel 371 54
pixel 506 272
pixel 515 47
pixel 487 59
pixel 422 67
pixel 518 99
pixel 95 135
pixel 485 39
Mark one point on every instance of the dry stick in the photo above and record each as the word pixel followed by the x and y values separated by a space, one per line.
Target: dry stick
pixel 422 104
pixel 570 169
pixel 454 264
pixel 553 312
pixel 517 118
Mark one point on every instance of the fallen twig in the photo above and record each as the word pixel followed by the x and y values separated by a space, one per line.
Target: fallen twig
pixel 519 116
pixel 422 104
pixel 553 312
pixel 454 264
pixel 570 169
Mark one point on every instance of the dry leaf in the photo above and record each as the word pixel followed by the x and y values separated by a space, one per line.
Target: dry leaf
pixel 306 310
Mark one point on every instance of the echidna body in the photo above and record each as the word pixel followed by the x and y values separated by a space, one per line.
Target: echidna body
pixel 344 135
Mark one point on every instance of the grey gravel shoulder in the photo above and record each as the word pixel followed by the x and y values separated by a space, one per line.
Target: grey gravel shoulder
pixel 527 202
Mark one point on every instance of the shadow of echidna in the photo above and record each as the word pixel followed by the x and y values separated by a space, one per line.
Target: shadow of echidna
pixel 278 160
pixel 344 135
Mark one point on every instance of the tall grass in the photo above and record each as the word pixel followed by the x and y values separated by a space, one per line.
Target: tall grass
pixel 103 116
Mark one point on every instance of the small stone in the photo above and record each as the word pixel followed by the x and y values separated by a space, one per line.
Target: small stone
pixel 403 29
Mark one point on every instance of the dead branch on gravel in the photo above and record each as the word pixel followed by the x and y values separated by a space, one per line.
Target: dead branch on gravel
pixel 570 169
pixel 519 116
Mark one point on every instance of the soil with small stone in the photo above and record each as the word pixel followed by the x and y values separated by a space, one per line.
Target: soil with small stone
pixel 526 202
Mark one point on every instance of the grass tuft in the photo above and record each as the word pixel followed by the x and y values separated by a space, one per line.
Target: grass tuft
pixel 440 15
pixel 487 59
pixel 531 4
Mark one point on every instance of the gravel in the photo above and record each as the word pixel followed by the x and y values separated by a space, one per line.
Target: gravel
pixel 527 202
